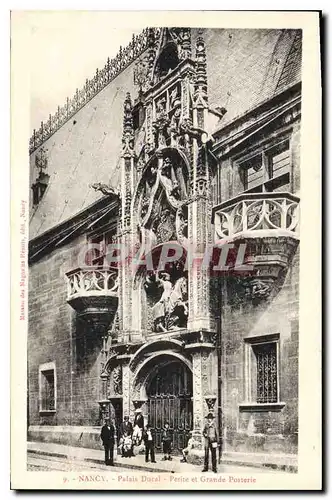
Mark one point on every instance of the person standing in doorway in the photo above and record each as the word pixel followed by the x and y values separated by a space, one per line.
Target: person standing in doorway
pixel 126 431
pixel 166 439
pixel 149 440
pixel 126 427
pixel 138 427
pixel 107 437
pixel 211 439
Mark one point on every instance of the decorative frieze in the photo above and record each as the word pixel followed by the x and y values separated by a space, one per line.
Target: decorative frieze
pixel 92 87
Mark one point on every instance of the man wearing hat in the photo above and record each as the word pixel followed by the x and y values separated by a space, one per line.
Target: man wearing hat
pixel 138 427
pixel 211 439
pixel 107 437
pixel 139 419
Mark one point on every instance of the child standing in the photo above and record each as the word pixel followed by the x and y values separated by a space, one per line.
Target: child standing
pixel 167 441
pixel 127 445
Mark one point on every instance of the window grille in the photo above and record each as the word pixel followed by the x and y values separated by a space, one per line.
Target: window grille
pixel 267 373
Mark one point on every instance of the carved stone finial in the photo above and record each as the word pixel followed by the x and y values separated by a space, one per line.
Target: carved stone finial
pixel 185 43
pixel 128 129
pixel 41 160
pixel 201 75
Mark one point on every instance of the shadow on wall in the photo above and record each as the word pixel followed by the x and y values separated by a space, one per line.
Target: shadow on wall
pixel 87 344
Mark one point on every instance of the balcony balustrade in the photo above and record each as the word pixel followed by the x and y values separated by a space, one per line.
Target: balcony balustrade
pixel 264 213
pixel 93 293
pixel 268 224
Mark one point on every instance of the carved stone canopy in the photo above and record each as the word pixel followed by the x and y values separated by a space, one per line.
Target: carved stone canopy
pixel 210 401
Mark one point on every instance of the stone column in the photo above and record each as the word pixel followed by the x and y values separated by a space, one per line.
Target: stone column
pixel 205 394
pixel 199 208
pixel 198 408
pixel 126 389
pixel 126 234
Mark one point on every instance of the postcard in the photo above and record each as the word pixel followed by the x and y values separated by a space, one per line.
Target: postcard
pixel 166 247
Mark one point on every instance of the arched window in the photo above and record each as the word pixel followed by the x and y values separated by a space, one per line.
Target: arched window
pixel 168 60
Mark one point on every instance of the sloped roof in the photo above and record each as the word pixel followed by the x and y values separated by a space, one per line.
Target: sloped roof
pixel 244 66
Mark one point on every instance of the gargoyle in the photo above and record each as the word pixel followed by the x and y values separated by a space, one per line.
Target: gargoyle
pixel 104 188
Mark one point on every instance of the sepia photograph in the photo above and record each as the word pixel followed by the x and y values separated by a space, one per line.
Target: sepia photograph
pixel 160 255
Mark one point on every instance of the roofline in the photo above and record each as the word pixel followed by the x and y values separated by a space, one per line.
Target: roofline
pixel 72 227
pixel 92 87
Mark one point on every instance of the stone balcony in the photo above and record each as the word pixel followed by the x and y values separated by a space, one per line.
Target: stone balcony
pixel 268 223
pixel 93 293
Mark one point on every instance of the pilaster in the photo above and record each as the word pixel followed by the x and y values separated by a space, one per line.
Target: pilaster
pixel 199 208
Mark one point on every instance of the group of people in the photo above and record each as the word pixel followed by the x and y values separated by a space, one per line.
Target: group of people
pixel 131 435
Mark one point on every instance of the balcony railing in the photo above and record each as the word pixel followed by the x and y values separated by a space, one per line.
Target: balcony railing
pixel 251 212
pixel 92 282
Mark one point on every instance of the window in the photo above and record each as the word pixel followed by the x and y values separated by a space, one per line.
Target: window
pixel 138 116
pixel 266 372
pixel 47 388
pixel 268 170
pixel 97 254
pixel 262 370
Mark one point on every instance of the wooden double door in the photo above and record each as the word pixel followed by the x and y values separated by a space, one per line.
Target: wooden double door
pixel 170 400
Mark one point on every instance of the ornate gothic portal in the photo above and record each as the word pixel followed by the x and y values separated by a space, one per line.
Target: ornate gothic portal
pixel 165 342
pixel 170 400
pixel 160 203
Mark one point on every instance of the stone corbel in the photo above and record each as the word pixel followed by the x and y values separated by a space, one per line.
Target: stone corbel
pixel 258 289
pixel 104 406
pixel 138 403
pixel 210 401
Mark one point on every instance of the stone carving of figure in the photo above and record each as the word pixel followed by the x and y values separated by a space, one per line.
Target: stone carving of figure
pixel 174 126
pixel 168 179
pixel 161 109
pixel 171 310
pixel 161 124
pixel 174 98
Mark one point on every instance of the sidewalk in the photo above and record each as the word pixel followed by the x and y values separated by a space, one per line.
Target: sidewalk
pixel 282 462
pixel 97 456
pixel 287 463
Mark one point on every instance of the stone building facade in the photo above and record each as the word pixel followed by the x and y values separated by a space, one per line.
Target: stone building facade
pixel 190 137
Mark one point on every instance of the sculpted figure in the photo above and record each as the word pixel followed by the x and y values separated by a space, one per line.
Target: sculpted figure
pixel 171 310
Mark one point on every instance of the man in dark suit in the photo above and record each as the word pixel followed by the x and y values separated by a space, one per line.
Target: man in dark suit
pixel 139 419
pixel 126 427
pixel 107 437
pixel 211 439
pixel 149 440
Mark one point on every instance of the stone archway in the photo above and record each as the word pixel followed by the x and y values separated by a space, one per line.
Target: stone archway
pixel 165 383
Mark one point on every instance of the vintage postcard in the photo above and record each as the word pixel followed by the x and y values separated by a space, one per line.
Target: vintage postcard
pixel 166 250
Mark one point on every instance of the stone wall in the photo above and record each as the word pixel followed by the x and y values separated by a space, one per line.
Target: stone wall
pixel 56 336
pixel 261 431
